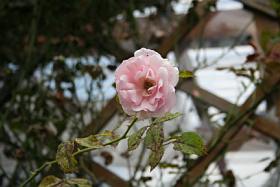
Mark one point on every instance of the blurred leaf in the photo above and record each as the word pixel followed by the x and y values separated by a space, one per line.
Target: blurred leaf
pixel 79 182
pixel 185 74
pixel 275 5
pixel 190 143
pixel 167 117
pixel 50 181
pixel 168 165
pixel 155 157
pixel 146 178
pixel 108 158
pixel 90 141
pixel 105 133
pixel 117 99
pixel 230 179
pixel 252 57
pixel 112 67
pixel 93 71
pixel 106 136
pixel 135 139
pixel 114 85
pixel 273 55
pixel 64 157
pixel 154 137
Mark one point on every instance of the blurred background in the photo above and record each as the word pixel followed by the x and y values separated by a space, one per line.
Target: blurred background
pixel 57 63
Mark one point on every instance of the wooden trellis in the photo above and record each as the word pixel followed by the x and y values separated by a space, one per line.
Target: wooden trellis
pixel 244 112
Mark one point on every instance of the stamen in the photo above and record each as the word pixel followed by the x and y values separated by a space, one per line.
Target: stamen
pixel 148 84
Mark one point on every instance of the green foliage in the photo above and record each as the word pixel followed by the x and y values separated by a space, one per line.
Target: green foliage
pixel 107 136
pixel 276 6
pixel 154 137
pixel 167 117
pixel 51 181
pixel 189 143
pixel 185 74
pixel 268 39
pixel 65 158
pixel 135 139
pixel 98 140
pixel 79 182
pixel 90 141
pixel 168 165
pixel 154 141
pixel 155 157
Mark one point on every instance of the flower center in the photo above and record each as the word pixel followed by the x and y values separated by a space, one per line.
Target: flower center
pixel 148 84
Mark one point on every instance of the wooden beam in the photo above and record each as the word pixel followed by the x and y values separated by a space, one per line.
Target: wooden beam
pixel 264 7
pixel 187 24
pixel 269 83
pixel 103 118
pixel 205 96
pixel 107 176
pixel 263 125
pixel 267 127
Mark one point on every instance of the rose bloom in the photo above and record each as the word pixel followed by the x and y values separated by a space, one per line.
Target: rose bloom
pixel 145 84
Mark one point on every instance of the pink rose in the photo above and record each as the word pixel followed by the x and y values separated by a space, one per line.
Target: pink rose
pixel 145 84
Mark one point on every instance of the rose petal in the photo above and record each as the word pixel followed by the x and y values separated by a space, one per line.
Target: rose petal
pixel 145 52
pixel 152 99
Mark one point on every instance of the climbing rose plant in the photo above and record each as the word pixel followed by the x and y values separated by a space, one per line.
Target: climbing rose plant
pixel 145 84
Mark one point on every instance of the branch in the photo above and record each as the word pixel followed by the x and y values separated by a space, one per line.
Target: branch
pixel 50 163
pixel 37 171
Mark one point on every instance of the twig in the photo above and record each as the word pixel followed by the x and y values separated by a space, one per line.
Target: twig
pixel 37 171
pixel 50 163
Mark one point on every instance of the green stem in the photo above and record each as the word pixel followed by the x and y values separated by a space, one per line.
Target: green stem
pixel 37 171
pixel 50 163
pixel 169 141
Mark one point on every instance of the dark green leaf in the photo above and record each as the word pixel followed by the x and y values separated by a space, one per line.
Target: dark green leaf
pixel 135 139
pixel 106 136
pixel 146 178
pixel 155 157
pixel 167 117
pixel 117 99
pixel 185 74
pixel 107 156
pixel 98 140
pixel 154 137
pixel 90 141
pixel 106 133
pixel 50 181
pixel 79 182
pixel 64 157
pixel 190 143
pixel 168 165
pixel 114 85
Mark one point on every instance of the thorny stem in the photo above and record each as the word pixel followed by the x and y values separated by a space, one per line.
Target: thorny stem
pixel 50 163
